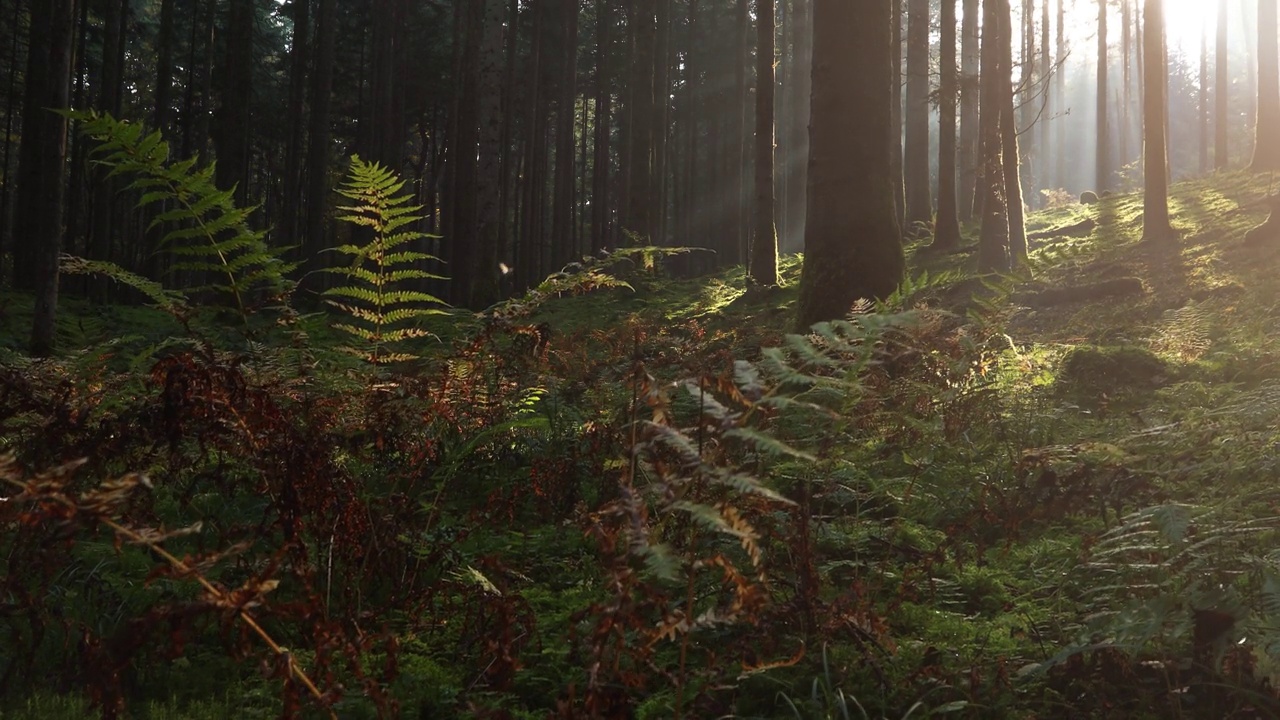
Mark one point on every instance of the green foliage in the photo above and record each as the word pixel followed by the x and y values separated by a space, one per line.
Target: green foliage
pixel 381 307
pixel 205 232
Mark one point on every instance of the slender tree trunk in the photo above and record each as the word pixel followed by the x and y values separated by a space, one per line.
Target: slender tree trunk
pixel 164 68
pixel 1011 172
pixel 993 238
pixel 1221 91
pixel 42 157
pixel 232 138
pixel 739 151
pixel 969 93
pixel 661 120
pixel 640 211
pixel 896 169
pixel 1060 93
pixel 798 111
pixel 853 246
pixel 1266 149
pixel 1126 96
pixel 1205 111
pixel 484 284
pixel 11 102
pixel 600 206
pixel 292 181
pixel 764 249
pixel 562 212
pixel 317 180
pixel 916 156
pixel 1102 133
pixel 947 229
pixel 103 227
pixel 1155 197
pixel 1048 108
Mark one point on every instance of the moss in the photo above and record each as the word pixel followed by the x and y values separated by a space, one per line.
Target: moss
pixel 1088 197
pixel 1112 368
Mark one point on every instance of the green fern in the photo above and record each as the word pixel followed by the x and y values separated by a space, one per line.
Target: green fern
pixel 381 309
pixel 203 228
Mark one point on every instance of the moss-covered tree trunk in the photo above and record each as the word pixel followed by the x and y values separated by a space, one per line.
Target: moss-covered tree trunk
pixel 853 244
pixel 764 248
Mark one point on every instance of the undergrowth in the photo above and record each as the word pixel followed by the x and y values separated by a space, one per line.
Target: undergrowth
pixel 626 495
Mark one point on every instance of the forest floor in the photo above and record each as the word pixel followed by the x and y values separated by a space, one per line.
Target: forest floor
pixel 1044 497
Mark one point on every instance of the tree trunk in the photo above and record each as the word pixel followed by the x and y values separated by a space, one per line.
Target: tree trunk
pixel 1221 92
pixel 290 211
pixel 946 234
pixel 604 108
pixel 484 283
pixel 11 102
pixel 42 156
pixel 1155 197
pixel 321 100
pixel 993 238
pixel 164 68
pixel 896 169
pixel 798 112
pixel 738 151
pixel 764 248
pixel 1010 157
pixel 562 212
pixel 1205 111
pixel 640 209
pixel 232 138
pixel 853 246
pixel 1102 133
pixel 102 224
pixel 969 93
pixel 1266 149
pixel 916 156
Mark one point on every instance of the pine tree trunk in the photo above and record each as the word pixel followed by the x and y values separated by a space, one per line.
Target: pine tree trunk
pixel 1102 132
pixel 164 68
pixel 853 246
pixel 232 138
pixel 299 51
pixel 797 111
pixel 11 102
pixel 317 181
pixel 484 284
pixel 1155 197
pixel 1205 111
pixel 103 227
pixel 764 248
pixel 916 155
pixel 993 238
pixel 1221 92
pixel 1266 149
pixel 896 169
pixel 1010 156
pixel 946 235
pixel 42 158
pixel 566 112
pixel 662 61
pixel 969 93
pixel 738 151
pixel 600 205
pixel 640 211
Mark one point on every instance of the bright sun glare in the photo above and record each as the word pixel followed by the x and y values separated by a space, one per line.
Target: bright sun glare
pixel 1185 20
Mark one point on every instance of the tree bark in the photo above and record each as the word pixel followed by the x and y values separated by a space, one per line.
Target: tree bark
pixel 1266 149
pixel 1102 132
pixel 896 169
pixel 1155 196
pixel 946 234
pixel 232 138
pixel 1010 156
pixel 484 283
pixel 764 248
pixel 640 207
pixel 853 246
pixel 321 101
pixel 42 157
pixel 600 205
pixel 1221 85
pixel 563 211
pixel 916 155
pixel 993 238
pixel 969 93
pixel 164 68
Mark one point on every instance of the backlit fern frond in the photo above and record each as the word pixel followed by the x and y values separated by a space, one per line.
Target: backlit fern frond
pixel 203 228
pixel 381 309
